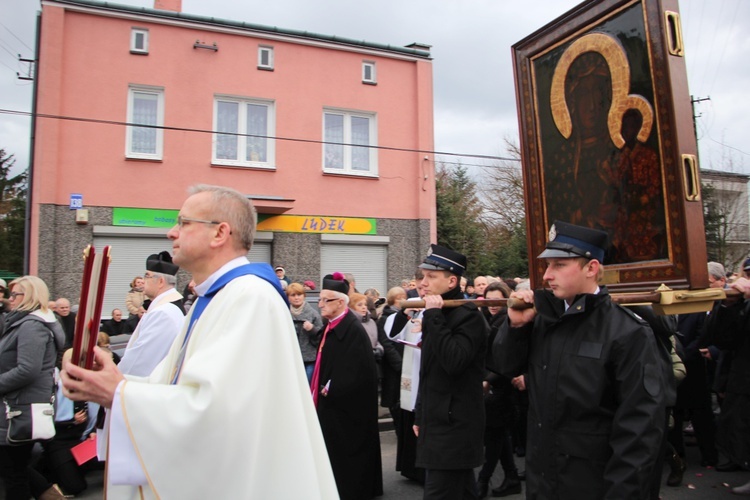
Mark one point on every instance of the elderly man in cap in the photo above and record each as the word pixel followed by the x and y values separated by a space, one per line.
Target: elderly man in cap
pixel 345 392
pixel 449 420
pixel 162 322
pixel 281 274
pixel 596 400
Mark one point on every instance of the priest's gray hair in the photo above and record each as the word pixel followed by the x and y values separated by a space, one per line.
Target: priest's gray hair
pixel 168 278
pixel 234 208
pixel 339 295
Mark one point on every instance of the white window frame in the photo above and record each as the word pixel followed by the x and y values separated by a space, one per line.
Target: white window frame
pixel 159 93
pixel 134 32
pixel 242 103
pixel 347 150
pixel 373 78
pixel 269 50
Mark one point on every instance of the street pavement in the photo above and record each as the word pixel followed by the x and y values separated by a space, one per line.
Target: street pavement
pixel 699 483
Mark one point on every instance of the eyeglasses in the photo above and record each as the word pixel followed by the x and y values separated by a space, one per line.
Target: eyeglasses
pixel 13 295
pixel 326 301
pixel 147 276
pixel 181 221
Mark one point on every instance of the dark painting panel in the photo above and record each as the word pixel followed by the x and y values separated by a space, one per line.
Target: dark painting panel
pixel 607 140
pixel 600 155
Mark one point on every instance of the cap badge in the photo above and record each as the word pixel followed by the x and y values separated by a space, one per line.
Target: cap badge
pixel 552 233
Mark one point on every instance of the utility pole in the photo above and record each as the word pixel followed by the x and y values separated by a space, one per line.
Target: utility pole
pixel 693 101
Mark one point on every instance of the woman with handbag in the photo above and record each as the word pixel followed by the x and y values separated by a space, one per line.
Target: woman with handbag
pixel 29 343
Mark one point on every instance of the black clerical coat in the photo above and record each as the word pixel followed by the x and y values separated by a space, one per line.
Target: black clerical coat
pixel 348 412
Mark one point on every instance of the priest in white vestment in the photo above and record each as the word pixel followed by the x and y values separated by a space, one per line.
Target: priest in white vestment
pixel 156 331
pixel 162 322
pixel 228 412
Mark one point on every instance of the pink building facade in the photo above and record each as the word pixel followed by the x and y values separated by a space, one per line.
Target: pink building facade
pixel 330 138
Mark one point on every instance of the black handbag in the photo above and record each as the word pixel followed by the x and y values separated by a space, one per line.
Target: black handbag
pixel 30 422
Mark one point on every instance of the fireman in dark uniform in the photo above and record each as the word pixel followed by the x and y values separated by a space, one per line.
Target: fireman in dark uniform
pixel 449 419
pixel 596 386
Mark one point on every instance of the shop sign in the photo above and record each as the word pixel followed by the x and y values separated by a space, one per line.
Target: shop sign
pixel 317 224
pixel 143 217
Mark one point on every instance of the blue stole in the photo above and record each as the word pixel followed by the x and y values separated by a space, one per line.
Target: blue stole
pixel 259 269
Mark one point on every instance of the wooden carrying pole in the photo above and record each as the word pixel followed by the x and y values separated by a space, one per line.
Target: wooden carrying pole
pixel 664 300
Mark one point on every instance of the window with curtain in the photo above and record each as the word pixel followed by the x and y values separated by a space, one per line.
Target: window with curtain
pixel 145 107
pixel 348 137
pixel 244 132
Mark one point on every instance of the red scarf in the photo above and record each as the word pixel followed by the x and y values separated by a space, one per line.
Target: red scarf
pixel 315 384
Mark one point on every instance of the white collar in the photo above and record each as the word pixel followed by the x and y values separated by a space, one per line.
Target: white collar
pixel 232 264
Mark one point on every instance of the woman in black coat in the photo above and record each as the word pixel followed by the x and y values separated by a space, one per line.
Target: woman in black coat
pixel 499 410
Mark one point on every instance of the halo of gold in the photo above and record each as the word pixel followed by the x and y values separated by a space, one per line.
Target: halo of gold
pixel 619 69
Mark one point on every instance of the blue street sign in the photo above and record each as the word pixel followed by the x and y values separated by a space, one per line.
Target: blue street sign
pixel 76 201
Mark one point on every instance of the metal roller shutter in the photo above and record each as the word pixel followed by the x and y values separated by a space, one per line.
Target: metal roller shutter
pixel 128 261
pixel 368 263
pixel 260 252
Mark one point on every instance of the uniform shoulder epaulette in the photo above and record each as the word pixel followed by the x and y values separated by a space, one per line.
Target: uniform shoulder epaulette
pixel 632 314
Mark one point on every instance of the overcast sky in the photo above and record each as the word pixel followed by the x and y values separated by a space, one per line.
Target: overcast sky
pixel 471 40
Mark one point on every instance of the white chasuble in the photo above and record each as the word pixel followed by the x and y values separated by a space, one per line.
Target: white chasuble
pixel 239 422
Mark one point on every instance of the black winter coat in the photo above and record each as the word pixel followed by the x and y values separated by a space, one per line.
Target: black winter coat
pixel 348 414
pixel 695 390
pixel 729 329
pixel 596 400
pixel 498 404
pixel 390 393
pixel 450 406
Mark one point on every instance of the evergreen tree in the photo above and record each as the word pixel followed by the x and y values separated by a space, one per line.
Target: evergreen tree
pixel 12 215
pixel 509 253
pixel 459 225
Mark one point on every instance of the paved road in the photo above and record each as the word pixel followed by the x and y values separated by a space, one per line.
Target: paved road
pixel 699 483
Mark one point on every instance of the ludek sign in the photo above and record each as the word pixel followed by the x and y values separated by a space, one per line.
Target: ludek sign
pixel 317 224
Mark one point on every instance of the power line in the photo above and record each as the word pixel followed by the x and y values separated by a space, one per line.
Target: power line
pixel 728 32
pixel 707 70
pixel 726 145
pixel 498 167
pixel 13 70
pixel 235 134
pixel 15 56
pixel 14 35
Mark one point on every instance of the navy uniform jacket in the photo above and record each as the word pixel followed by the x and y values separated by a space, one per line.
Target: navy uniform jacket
pixel 450 406
pixel 596 397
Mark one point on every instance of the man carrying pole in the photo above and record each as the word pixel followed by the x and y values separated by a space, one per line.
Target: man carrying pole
pixel 596 399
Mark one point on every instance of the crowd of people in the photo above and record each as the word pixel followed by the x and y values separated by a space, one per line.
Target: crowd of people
pixel 662 378
pixel 598 398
